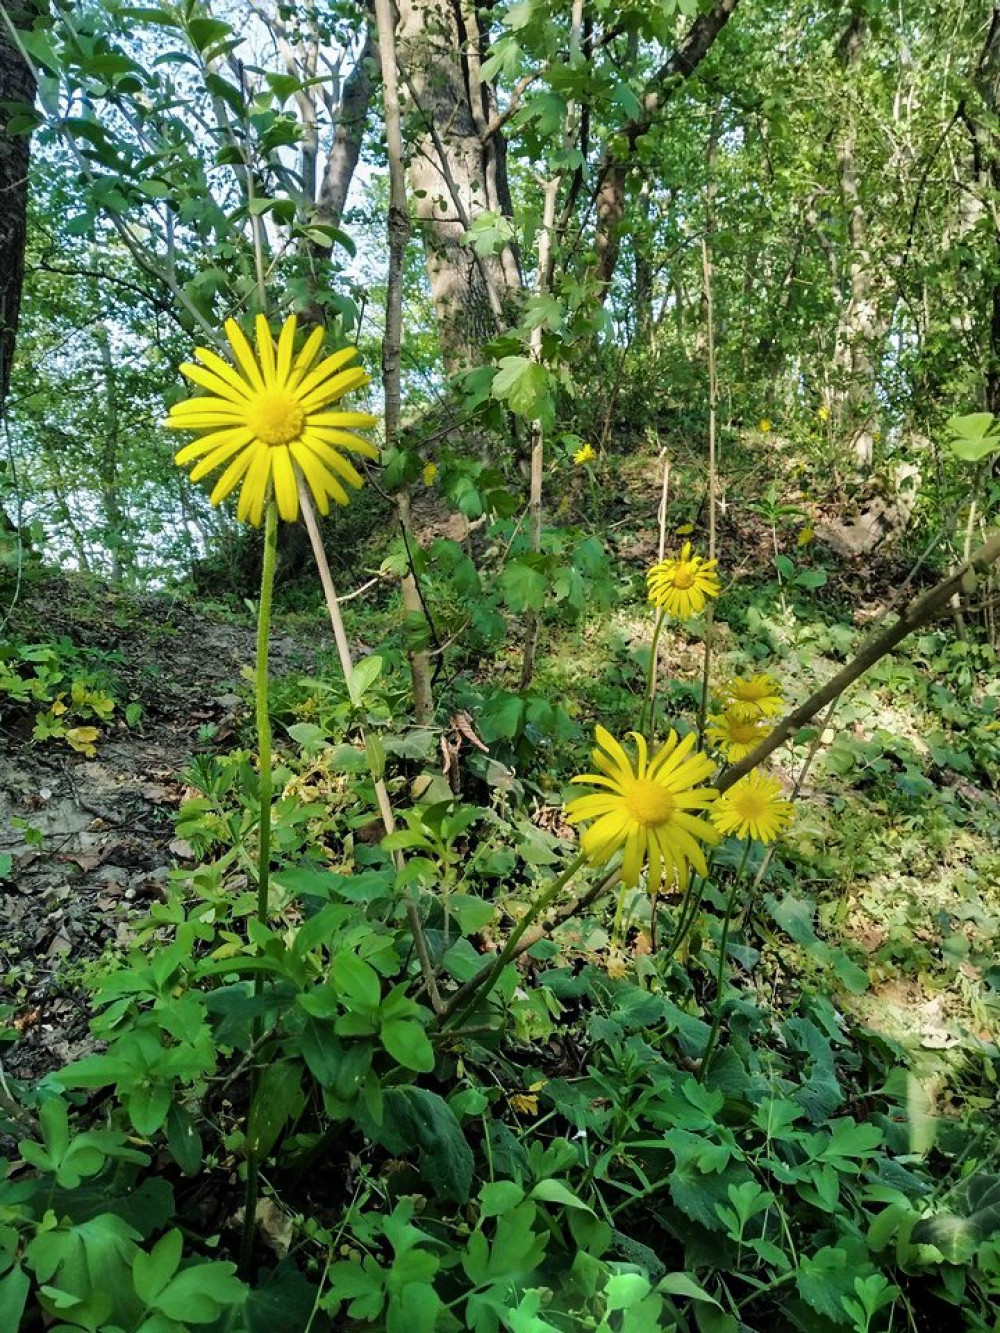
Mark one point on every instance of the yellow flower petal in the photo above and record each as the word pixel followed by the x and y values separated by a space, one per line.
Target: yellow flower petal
pixel 286 491
pixel 265 350
pixel 244 354
pixel 231 476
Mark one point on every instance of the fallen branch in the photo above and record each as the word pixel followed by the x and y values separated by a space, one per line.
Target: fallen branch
pixel 923 610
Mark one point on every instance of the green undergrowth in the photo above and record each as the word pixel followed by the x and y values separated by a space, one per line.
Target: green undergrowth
pixel 554 1154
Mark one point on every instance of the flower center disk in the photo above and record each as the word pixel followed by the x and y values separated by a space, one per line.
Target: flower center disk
pixel 276 418
pixel 683 577
pixel 648 803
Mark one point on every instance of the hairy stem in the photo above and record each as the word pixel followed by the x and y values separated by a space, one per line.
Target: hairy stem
pixel 264 855
pixel 713 1036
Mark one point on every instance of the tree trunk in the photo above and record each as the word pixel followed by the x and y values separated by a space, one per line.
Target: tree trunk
pixel 861 326
pixel 108 457
pixel 986 169
pixel 613 172
pixel 457 172
pixel 17 86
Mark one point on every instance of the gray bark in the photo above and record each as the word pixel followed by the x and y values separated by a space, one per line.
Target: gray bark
pixel 457 171
pixel 17 85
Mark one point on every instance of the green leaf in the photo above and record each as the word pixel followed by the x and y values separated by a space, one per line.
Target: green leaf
pixel 364 674
pixel 151 1272
pixel 207 32
pixel 198 1295
pixel 824 1279
pixel 555 1191
pixel 416 1118
pixel 499 1197
pixel 183 1140
pixel 526 388
pixel 523 585
pixel 148 1107
pixel 682 1284
pixel 408 1044
pixel 14 1288
pixel 356 982
pixel 279 1099
pixel 973 1215
pixel 974 437
pixel 310 736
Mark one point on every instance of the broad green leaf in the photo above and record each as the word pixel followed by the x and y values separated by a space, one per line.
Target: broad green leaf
pixel 364 674
pixel 408 1044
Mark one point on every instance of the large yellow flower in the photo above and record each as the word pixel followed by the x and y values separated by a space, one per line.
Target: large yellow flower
pixel 682 584
pixel 754 697
pixel 736 736
pixel 645 809
pixel 266 418
pixel 753 808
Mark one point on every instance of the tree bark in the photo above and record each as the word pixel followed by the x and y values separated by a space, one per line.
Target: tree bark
pixel 613 172
pixel 862 324
pixel 457 172
pixel 17 86
pixel 986 169
pixel 342 159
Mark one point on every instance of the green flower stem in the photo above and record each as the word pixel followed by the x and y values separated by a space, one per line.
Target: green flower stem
pixel 484 981
pixel 264 858
pixel 713 1036
pixel 690 903
pixel 648 699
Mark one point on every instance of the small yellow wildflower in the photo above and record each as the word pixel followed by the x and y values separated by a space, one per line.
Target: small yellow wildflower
pixel 586 454
pixel 805 537
pixel 266 418
pixel 735 736
pixel 753 808
pixel 682 584
pixel 753 697
pixel 645 809
pixel 823 412
pixel 764 426
pixel 429 473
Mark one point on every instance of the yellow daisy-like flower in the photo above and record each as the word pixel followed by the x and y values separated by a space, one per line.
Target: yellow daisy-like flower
pixel 645 809
pixel 764 426
pixel 753 697
pixel 682 584
pixel 753 808
pixel 266 418
pixel 585 455
pixel 823 412
pixel 736 736
pixel 429 473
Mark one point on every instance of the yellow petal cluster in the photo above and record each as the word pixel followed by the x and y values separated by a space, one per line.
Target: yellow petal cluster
pixel 754 807
pixel 266 418
pixel 586 454
pixel 682 584
pixel 735 736
pixel 645 808
pixel 753 697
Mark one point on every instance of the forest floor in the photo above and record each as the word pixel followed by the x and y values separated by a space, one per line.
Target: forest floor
pixel 91 840
pixel 887 893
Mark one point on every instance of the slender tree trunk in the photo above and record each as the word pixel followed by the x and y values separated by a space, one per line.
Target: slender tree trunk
pixel 986 172
pixel 862 325
pixel 457 172
pixel 615 165
pixel 17 88
pixel 399 235
pixel 114 518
